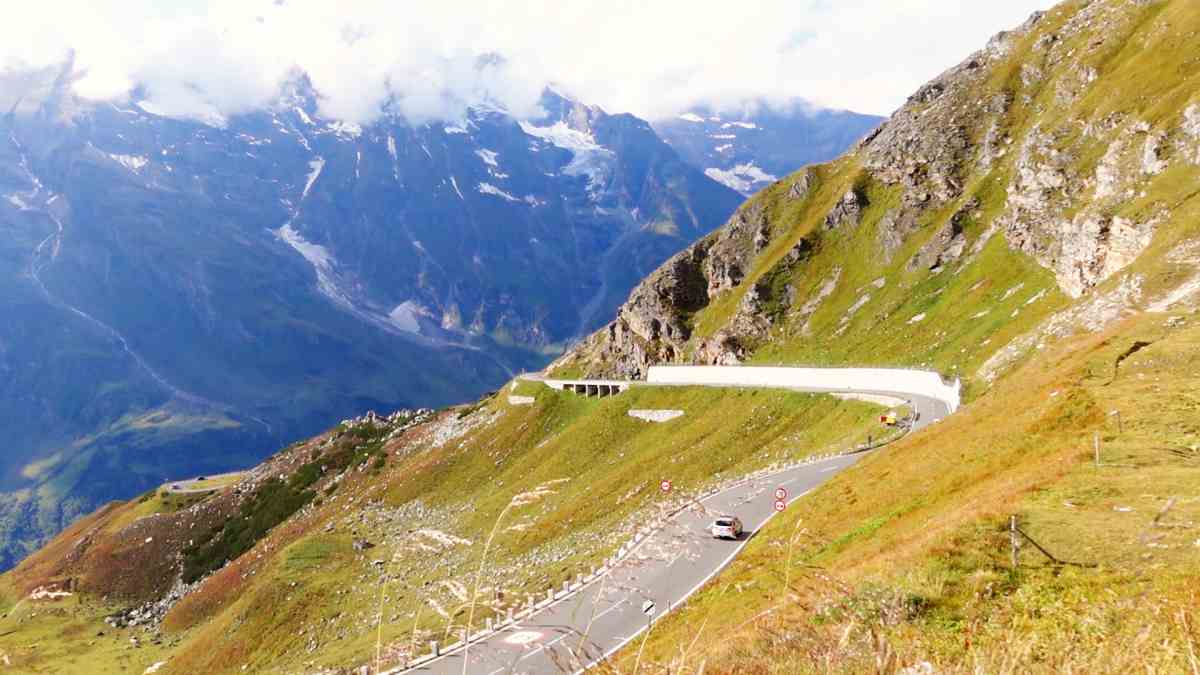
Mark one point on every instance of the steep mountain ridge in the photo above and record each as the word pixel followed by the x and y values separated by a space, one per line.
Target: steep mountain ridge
pixel 1049 195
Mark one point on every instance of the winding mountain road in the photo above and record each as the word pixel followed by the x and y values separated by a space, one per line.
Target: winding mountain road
pixel 205 484
pixel 669 565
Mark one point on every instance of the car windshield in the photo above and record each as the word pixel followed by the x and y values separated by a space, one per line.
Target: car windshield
pixel 724 522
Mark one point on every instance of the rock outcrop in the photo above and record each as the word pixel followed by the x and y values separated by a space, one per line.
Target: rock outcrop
pixel 1011 143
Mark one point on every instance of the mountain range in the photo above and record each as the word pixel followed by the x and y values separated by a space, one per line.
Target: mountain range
pixel 755 144
pixel 186 294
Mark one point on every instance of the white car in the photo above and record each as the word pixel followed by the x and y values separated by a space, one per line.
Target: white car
pixel 726 527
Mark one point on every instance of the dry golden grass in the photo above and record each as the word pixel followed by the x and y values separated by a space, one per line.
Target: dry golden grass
pixel 905 559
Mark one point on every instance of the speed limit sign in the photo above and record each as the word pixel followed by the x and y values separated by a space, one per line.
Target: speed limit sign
pixel 665 485
pixel 780 493
pixel 780 505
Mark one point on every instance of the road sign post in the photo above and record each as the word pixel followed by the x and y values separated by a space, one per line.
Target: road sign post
pixel 648 609
pixel 665 486
pixel 780 505
pixel 781 493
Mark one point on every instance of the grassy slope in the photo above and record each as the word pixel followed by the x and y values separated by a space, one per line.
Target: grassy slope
pixel 303 597
pixel 905 558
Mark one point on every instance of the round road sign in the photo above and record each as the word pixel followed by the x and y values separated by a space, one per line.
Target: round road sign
pixel 665 485
pixel 780 493
pixel 780 505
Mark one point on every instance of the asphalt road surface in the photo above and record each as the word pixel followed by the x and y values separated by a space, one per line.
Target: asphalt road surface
pixel 210 483
pixel 666 568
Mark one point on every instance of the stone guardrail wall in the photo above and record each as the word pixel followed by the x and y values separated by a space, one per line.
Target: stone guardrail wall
pixel 883 380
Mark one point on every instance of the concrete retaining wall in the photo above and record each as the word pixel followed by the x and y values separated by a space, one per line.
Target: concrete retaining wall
pixel 656 415
pixel 877 399
pixel 883 380
pixel 590 387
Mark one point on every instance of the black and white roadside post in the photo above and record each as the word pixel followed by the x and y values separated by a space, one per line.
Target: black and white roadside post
pixel 648 608
pixel 1014 540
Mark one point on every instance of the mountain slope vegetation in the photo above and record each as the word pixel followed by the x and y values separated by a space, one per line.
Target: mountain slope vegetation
pixel 182 295
pixel 1027 222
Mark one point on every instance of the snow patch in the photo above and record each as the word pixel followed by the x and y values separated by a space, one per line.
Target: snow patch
pixel 723 148
pixel 691 117
pixel 454 130
pixel 405 316
pixel 348 129
pixel 488 157
pixel 723 137
pixel 391 143
pixel 454 182
pixel 589 158
pixel 314 170
pixel 741 177
pixel 744 125
pixel 16 201
pixel 131 162
pixel 322 261
pixel 489 189
pixel 303 116
pixel 209 116
pixel 317 255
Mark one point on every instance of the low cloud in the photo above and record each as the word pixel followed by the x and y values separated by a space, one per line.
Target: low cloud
pixel 428 60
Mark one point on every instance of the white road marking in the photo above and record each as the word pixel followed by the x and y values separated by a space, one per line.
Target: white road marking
pixel 524 637
pixel 678 603
pixel 832 468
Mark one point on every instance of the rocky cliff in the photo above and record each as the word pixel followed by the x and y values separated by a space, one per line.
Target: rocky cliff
pixel 1044 185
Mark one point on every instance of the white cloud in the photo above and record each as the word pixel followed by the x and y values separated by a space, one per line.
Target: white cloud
pixel 652 58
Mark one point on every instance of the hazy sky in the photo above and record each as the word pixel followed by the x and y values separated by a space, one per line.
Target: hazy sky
pixel 649 57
